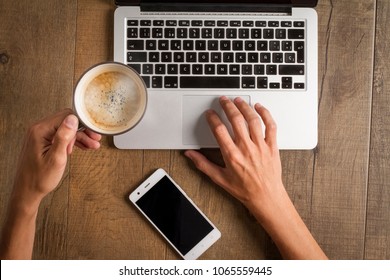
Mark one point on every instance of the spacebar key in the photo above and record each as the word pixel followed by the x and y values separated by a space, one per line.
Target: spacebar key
pixel 209 82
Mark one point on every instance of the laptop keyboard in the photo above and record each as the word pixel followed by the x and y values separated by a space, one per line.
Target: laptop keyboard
pixel 219 54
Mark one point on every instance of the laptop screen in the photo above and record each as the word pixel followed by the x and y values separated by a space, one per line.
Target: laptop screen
pixel 295 3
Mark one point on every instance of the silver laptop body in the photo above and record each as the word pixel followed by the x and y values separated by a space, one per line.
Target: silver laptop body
pixel 191 52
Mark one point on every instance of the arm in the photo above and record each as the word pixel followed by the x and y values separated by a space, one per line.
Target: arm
pixel 253 175
pixel 41 165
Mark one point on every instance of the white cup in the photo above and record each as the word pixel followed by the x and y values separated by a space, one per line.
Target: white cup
pixel 110 98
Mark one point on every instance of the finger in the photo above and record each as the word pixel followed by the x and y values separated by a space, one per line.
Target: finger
pixel 270 126
pixel 63 139
pixel 212 170
pixel 252 119
pixel 235 118
pixel 93 135
pixel 220 132
pixel 83 141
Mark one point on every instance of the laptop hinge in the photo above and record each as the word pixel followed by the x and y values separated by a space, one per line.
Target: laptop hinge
pixel 213 8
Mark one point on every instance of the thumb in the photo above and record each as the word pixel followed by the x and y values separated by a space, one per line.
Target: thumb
pixel 64 136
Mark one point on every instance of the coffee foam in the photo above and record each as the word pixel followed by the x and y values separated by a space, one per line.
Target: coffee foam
pixel 112 100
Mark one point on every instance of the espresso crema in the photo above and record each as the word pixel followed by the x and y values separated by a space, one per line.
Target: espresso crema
pixel 111 101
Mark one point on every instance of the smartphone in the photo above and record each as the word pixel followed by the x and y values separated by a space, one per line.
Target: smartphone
pixel 174 215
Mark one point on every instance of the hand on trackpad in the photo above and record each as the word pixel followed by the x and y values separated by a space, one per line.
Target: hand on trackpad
pixel 196 130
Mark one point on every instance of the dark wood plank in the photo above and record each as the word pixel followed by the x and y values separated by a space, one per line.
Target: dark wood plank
pixel 341 158
pixel 377 242
pixel 36 74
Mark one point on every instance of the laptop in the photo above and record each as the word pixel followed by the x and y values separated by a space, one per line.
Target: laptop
pixel 191 52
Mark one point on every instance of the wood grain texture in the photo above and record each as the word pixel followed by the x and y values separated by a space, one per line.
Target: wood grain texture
pixel 377 239
pixel 35 80
pixel 341 158
pixel 341 188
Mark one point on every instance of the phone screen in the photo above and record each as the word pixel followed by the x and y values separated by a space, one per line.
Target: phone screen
pixel 174 215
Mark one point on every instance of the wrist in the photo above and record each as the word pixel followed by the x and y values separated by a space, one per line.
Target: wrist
pixel 24 201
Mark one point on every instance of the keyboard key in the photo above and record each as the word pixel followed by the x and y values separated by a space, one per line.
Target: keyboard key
pixel 194 33
pixel 289 57
pixel 185 69
pixel 250 45
pixel 262 82
pixel 144 33
pixel 178 57
pixel 299 47
pixel 291 70
pixel 222 23
pixel 163 45
pixel 225 46
pixel 280 34
pixel 243 33
pixel 271 69
pixel 132 22
pixel 274 46
pixel 132 32
pixel 135 45
pixel 182 33
pixel 172 69
pixel 151 45
pixel 299 24
pixel 200 45
pixel 146 22
pixel 219 33
pixel 268 33
pixel 191 56
pixel 170 82
pixel 228 57
pixel 203 57
pixel 196 23
pixel 277 58
pixel 262 45
pixel 256 33
pixel 209 23
pixel 259 69
pixel 157 33
pixel 246 69
pixel 209 82
pixel 158 23
pixel 265 57
pixel 240 57
pixel 286 45
pixel 146 80
pixel 238 45
pixel 184 23
pixel 273 24
pixel 253 57
pixel 286 24
pixel 197 69
pixel 207 33
pixel 209 69
pixel 157 82
pixel 296 33
pixel 231 33
pixel 169 33
pixel 248 82
pixel 287 82
pixel 261 23
pixel 274 85
pixel 166 57
pixel 234 69
pixel 147 69
pixel 159 69
pixel 136 67
pixel 171 23
pixel 136 57
pixel 154 57
pixel 222 69
pixel 235 23
pixel 248 23
pixel 212 45
pixel 299 85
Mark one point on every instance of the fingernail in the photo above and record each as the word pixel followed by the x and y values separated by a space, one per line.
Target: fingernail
pixel 223 98
pixel 258 105
pixel 238 99
pixel 71 122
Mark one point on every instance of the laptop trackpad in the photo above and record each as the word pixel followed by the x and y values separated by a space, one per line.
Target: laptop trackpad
pixel 196 130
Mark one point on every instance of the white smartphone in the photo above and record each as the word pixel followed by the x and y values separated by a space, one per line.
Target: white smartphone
pixel 174 215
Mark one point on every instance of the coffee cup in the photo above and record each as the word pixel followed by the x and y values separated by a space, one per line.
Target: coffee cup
pixel 110 98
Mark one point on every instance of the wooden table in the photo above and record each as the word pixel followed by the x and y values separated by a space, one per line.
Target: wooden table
pixel 341 188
